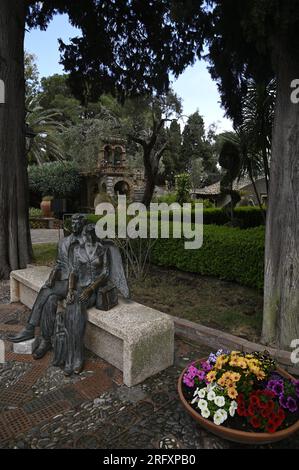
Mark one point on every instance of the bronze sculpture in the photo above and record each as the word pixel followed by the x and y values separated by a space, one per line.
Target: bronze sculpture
pixel 56 288
pixel 88 273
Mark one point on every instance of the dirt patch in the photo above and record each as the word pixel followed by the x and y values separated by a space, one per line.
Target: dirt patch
pixel 218 304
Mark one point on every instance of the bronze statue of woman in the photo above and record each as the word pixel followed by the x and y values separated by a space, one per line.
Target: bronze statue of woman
pixel 90 272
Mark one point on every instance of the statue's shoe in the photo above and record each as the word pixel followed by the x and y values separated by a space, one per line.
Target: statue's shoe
pixel 24 335
pixel 68 370
pixel 43 347
pixel 78 368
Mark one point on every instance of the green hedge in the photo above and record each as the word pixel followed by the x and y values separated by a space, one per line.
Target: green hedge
pixel 230 254
pixel 248 217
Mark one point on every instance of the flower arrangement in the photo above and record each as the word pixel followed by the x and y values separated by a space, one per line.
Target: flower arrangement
pixel 242 391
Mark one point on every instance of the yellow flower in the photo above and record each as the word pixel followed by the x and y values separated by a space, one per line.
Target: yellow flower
pixel 260 375
pixel 211 376
pixel 234 362
pixel 221 382
pixel 235 353
pixel 232 393
pixel 235 377
pixel 242 363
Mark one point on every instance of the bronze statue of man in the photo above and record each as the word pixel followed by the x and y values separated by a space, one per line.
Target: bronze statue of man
pixel 56 288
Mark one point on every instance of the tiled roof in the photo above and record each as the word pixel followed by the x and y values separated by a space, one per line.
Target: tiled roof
pixel 214 189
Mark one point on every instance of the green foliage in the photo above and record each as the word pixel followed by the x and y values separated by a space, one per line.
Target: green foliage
pixel 34 212
pixel 167 198
pixel 247 217
pixel 183 184
pixel 31 74
pixel 45 254
pixel 59 179
pixel 230 254
pixel 45 124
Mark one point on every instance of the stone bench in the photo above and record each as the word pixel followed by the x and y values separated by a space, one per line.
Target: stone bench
pixel 136 339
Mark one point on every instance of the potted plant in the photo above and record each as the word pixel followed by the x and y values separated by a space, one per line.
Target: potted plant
pixel 46 206
pixel 241 397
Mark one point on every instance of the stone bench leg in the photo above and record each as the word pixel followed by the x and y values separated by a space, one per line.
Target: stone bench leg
pixel 14 290
pixel 149 355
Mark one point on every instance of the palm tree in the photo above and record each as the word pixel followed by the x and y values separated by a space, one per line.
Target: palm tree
pixel 45 126
pixel 258 117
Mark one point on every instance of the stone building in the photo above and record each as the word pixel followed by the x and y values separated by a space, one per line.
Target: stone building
pixel 112 176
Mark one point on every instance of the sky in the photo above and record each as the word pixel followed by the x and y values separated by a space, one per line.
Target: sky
pixel 194 86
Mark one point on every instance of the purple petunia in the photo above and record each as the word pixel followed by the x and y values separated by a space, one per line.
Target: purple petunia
pixel 190 375
pixel 283 402
pixel 187 381
pixel 206 366
pixel 201 375
pixel 278 388
pixel 292 404
pixel 212 358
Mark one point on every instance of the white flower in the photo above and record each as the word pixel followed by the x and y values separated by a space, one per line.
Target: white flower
pixel 211 386
pixel 202 404
pixel 202 393
pixel 219 401
pixel 220 416
pixel 217 419
pixel 232 409
pixel 211 395
pixel 224 415
pixel 205 413
pixel 194 400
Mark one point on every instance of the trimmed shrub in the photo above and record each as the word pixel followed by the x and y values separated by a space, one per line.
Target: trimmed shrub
pixel 248 217
pixel 230 254
pixel 58 179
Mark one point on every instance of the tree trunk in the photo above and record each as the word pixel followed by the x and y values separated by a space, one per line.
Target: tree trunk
pixel 150 184
pixel 15 244
pixel 150 175
pixel 281 299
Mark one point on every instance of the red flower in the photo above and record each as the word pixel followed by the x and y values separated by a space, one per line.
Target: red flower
pixel 271 427
pixel 281 414
pixel 265 413
pixel 251 411
pixel 255 401
pixel 270 406
pixel 268 393
pixel 241 410
pixel 255 422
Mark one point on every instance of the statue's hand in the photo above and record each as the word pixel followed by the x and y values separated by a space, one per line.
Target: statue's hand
pixel 86 294
pixel 70 299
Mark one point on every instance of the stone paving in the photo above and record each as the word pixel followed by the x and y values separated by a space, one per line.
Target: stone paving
pixel 41 408
pixel 42 235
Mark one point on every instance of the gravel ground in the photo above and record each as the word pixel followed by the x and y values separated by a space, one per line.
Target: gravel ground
pixel 40 408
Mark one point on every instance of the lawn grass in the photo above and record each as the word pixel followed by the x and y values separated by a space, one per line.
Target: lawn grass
pixel 212 302
pixel 44 254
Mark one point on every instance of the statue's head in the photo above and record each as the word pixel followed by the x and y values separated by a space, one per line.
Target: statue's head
pixel 78 222
pixel 89 233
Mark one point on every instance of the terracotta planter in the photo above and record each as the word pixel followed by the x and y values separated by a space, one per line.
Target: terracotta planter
pixel 46 207
pixel 235 435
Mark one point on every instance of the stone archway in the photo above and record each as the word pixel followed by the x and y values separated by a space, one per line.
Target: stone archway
pixel 121 188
